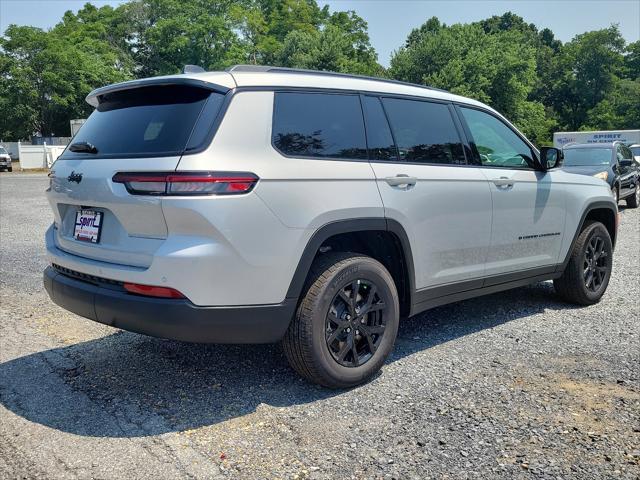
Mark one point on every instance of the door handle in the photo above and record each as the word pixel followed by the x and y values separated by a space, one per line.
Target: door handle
pixel 503 182
pixel 400 180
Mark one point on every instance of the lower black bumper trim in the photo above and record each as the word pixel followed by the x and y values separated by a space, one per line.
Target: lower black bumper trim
pixel 169 318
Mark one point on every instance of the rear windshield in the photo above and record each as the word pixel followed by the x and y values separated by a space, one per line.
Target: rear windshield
pixel 587 157
pixel 148 121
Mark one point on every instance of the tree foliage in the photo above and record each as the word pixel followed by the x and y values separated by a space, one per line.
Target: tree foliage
pixel 45 76
pixel 528 75
pixel 593 81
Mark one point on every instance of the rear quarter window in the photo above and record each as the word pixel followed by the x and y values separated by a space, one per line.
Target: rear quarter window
pixel 319 125
pixel 148 121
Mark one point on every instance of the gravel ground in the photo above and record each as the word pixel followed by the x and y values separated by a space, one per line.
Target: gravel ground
pixel 515 384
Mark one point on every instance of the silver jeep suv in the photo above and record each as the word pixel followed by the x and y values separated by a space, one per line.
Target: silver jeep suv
pixel 265 204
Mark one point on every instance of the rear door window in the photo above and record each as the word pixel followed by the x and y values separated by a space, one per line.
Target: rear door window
pixel 148 121
pixel 424 132
pixel 319 125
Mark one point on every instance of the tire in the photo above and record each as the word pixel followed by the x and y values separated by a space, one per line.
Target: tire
pixel 322 329
pixel 634 200
pixel 573 286
pixel 10 169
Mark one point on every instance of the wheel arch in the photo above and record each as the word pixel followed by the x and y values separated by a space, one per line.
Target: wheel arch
pixel 391 247
pixel 603 212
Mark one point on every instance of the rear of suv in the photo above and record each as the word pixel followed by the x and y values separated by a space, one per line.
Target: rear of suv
pixel 264 204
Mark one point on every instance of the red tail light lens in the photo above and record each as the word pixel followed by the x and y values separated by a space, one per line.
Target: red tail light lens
pixel 151 291
pixel 187 183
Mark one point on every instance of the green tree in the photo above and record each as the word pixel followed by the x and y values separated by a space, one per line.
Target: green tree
pixel 168 34
pixel 620 109
pixel 491 64
pixel 45 76
pixel 341 46
pixel 528 75
pixel 297 33
pixel 589 67
pixel 632 61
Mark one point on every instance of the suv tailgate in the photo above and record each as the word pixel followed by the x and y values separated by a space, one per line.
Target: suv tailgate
pixel 141 129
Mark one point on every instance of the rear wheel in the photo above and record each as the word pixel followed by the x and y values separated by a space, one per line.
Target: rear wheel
pixel 587 274
pixel 346 323
pixel 10 169
pixel 634 200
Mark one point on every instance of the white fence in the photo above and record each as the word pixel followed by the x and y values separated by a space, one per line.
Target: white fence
pixel 38 156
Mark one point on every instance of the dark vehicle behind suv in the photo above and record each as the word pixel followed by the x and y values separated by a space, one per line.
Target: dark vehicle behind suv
pixel 612 162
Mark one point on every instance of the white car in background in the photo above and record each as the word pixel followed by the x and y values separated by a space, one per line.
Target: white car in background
pixel 5 160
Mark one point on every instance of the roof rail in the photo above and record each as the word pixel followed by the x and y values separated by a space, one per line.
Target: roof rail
pixel 304 71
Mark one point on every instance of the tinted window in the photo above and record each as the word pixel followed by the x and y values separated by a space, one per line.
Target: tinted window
pixel 497 144
pixel 3 151
pixel 586 157
pixel 204 125
pixel 424 131
pixel 144 121
pixel 379 138
pixel 319 125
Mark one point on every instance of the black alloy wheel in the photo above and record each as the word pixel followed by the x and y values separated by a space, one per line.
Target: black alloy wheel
pixel 588 271
pixel 595 263
pixel 346 322
pixel 355 323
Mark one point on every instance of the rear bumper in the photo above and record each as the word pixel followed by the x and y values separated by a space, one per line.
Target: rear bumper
pixel 164 318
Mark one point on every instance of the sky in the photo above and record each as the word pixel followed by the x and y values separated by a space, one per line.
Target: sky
pixel 391 21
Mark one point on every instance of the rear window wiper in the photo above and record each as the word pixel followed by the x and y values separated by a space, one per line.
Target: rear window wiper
pixel 83 147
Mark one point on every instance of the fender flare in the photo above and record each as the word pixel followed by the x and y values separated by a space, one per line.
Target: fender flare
pixel 348 226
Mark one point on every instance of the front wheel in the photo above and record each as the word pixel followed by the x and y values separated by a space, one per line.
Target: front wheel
pixel 634 200
pixel 346 323
pixel 587 274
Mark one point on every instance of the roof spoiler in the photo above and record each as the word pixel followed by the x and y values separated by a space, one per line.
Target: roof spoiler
pixel 97 95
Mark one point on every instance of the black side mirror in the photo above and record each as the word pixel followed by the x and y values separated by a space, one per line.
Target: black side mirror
pixel 550 157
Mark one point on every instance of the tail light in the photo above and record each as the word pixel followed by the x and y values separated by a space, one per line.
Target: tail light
pixel 187 183
pixel 151 291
